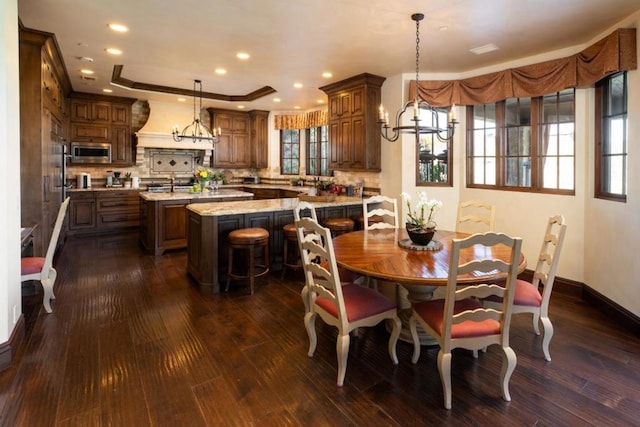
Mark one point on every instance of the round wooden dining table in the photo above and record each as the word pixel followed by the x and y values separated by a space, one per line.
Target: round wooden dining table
pixel 377 254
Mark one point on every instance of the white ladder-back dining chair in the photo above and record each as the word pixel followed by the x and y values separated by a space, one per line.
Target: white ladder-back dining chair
pixel 384 208
pixel 475 216
pixel 527 296
pixel 345 306
pixel 460 321
pixel 41 268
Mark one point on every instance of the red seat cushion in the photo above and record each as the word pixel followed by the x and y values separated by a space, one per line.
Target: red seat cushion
pixel 31 265
pixel 432 313
pixel 526 294
pixel 360 302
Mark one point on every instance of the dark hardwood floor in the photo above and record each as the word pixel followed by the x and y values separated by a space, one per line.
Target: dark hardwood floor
pixel 132 342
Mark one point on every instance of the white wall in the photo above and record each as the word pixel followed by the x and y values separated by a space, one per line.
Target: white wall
pixel 601 235
pixel 10 288
pixel 611 230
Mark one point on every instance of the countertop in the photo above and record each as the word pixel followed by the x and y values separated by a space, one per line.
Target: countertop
pixel 184 195
pixel 269 205
pixel 143 188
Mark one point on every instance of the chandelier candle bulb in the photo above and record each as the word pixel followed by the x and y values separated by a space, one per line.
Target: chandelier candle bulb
pixel 381 113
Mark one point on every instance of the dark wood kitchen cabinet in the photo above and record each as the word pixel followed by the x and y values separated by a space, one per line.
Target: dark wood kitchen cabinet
pixel 101 118
pixel 103 211
pixel 233 149
pixel 82 212
pixel 259 138
pixel 117 209
pixel 354 135
pixel 44 86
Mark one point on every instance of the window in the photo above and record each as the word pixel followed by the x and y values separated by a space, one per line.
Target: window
pixel 434 156
pixel 524 144
pixel 317 151
pixel 611 138
pixel 290 152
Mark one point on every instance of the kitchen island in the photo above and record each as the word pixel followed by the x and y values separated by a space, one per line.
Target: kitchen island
pixel 163 217
pixel 209 225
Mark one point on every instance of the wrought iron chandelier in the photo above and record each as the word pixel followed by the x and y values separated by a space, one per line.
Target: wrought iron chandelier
pixel 197 131
pixel 427 123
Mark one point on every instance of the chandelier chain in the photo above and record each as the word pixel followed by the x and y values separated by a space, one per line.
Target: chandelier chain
pixel 417 55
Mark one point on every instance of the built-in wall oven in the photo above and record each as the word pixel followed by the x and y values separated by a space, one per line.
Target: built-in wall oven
pixel 90 152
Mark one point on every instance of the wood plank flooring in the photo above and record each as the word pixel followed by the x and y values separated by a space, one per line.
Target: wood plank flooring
pixel 132 342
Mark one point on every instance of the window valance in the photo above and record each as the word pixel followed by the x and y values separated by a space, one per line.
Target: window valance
pixel 301 121
pixel 616 52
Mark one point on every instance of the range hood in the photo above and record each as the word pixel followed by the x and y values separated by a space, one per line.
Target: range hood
pixel 163 116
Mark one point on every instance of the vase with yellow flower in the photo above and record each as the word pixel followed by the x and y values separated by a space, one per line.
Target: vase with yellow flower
pixel 202 176
pixel 420 224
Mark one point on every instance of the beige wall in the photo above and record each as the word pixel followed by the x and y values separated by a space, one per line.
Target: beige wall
pixel 602 236
pixel 10 289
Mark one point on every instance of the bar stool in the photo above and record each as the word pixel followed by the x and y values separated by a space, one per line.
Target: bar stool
pixel 249 239
pixel 290 236
pixel 339 226
pixel 373 220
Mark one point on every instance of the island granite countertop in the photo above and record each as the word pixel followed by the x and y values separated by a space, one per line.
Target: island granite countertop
pixel 185 195
pixel 271 205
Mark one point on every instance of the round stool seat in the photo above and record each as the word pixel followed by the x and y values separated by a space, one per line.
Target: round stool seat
pixel 248 236
pixel 249 239
pixel 339 225
pixel 289 231
pixel 373 220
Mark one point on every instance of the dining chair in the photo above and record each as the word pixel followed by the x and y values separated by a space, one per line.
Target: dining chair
pixel 382 208
pixel 345 306
pixel 475 216
pixel 527 296
pixel 41 268
pixel 459 320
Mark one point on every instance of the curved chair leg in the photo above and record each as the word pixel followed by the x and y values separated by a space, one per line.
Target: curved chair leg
pixel 509 361
pixel 342 350
pixel 47 286
pixel 304 293
pixel 536 321
pixel 444 367
pixel 393 339
pixel 546 339
pixel 413 326
pixel 53 273
pixel 310 325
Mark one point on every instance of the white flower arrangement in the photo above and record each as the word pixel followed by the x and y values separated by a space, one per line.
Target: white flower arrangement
pixel 422 217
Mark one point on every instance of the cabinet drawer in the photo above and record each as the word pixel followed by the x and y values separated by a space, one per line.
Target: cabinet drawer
pixel 90 132
pixel 118 219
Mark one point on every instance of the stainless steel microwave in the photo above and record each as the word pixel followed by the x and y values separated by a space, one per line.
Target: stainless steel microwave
pixel 90 152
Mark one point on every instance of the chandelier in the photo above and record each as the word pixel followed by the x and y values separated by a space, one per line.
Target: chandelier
pixel 426 119
pixel 197 131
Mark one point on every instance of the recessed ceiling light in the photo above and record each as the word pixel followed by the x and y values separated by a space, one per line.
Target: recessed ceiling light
pixel 181 99
pixel 243 55
pixel 443 28
pixel 320 101
pixel 119 28
pixel 327 74
pixel 107 90
pixel 297 85
pixel 220 71
pixel 296 107
pixel 113 51
pixel 484 49
pixel 241 107
pixel 276 99
pixel 86 71
pixel 85 58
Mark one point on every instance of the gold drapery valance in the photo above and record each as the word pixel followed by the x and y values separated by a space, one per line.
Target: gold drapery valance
pixel 301 121
pixel 616 52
